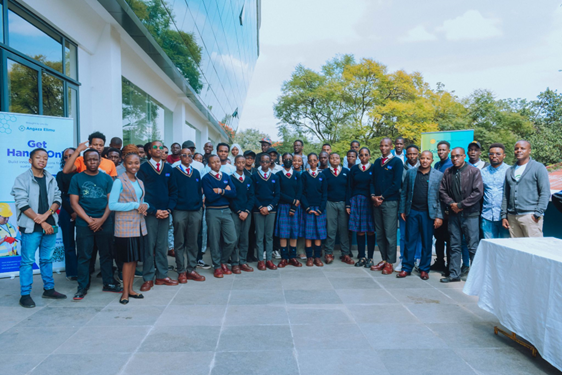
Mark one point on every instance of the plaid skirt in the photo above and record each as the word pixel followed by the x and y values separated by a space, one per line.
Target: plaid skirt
pixel 361 216
pixel 288 226
pixel 315 226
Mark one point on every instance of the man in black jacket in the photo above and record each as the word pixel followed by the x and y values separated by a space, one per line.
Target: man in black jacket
pixel 461 191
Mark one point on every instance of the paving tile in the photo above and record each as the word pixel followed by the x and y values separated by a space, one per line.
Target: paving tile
pixel 382 314
pixel 337 362
pixel 391 282
pixel 19 364
pixel 34 340
pixel 470 335
pixel 126 315
pixel 253 315
pixel 257 283
pixel 181 339
pixel 401 336
pixel 457 295
pixel 104 340
pixel 434 313
pixel 192 363
pixel 83 364
pixel 154 297
pixel 421 296
pixel 319 337
pixel 507 361
pixel 484 315
pixel 60 317
pixel 331 314
pixel 353 283
pixel 226 283
pixel 201 297
pixel 256 274
pixel 312 297
pixel 366 296
pixel 279 362
pixel 309 283
pixel 424 361
pixel 255 338
pixel 192 315
pixel 305 272
pixel 11 315
pixel 257 297
pixel 346 272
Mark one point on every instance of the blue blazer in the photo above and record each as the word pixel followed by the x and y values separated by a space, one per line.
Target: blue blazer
pixel 434 208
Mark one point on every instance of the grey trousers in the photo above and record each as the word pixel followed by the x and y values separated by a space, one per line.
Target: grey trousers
pixel 156 250
pixel 220 225
pixel 186 230
pixel 386 225
pixel 337 222
pixel 264 230
pixel 458 226
pixel 240 251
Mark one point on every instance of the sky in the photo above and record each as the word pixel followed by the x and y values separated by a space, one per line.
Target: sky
pixel 512 48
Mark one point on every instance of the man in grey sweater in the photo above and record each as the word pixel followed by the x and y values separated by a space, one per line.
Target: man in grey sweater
pixel 526 194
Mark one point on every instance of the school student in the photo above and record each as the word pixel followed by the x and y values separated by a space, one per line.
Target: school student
pixel 130 231
pixel 187 217
pixel 266 198
pixel 314 203
pixel 241 209
pixel 159 193
pixel 336 215
pixel 358 206
pixel 289 212
pixel 75 162
pixel 218 190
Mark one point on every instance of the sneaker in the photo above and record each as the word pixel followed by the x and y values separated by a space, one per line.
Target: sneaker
pixel 80 294
pixel 112 288
pixel 276 254
pixel 27 302
pixel 53 294
pixel 201 264
pixel 399 266
pixel 302 256
pixel 138 273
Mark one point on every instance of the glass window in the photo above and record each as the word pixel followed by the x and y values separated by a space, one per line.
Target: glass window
pixel 53 95
pixel 71 65
pixel 72 108
pixel 29 39
pixel 23 89
pixel 1 22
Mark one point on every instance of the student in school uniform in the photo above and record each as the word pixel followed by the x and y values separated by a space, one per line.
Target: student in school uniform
pixel 288 219
pixel 218 190
pixel 266 198
pixel 187 217
pixel 241 209
pixel 336 215
pixel 359 207
pixel 298 168
pixel 314 199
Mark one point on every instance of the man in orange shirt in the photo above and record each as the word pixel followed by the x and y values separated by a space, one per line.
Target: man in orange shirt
pixel 96 141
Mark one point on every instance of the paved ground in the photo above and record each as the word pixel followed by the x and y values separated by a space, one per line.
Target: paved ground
pixel 332 320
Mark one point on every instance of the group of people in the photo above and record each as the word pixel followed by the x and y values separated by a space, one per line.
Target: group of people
pixel 136 203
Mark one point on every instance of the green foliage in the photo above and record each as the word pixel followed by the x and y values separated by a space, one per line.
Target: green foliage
pixel 249 139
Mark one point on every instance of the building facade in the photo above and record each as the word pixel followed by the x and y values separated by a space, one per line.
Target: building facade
pixel 141 70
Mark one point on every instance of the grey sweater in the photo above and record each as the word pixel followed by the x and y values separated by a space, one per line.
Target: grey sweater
pixel 529 195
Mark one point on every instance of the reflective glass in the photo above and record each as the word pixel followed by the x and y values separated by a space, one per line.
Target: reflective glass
pixel 72 107
pixel 53 95
pixel 71 65
pixel 23 89
pixel 34 42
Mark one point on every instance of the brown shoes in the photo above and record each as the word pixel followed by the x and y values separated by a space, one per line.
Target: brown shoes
pixel 282 263
pixel 261 266
pixel 402 274
pixel 271 265
pixel 166 281
pixel 295 263
pixel 309 262
pixel 378 267
pixel 246 268
pixel 424 275
pixel 318 262
pixel 329 258
pixel 172 253
pixel 147 285
pixel 195 276
pixel 182 278
pixel 346 259
pixel 218 273
pixel 388 269
pixel 225 270
pixel 235 270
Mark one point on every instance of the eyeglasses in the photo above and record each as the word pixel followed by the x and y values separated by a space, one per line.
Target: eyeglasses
pixel 166 152
pixel 186 155
pixel 495 154
pixel 155 147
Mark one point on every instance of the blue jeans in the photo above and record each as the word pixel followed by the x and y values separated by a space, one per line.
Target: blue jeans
pixel 493 229
pixel 403 242
pixel 30 243
pixel 464 252
pixel 67 228
pixel 420 229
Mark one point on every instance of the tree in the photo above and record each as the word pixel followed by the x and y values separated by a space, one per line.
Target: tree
pixel 546 120
pixel 249 139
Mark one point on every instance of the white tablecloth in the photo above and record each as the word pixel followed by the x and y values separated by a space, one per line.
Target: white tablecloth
pixel 519 281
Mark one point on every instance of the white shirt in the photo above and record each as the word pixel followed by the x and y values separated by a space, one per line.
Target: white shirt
pixel 262 173
pixel 238 176
pixel 338 170
pixel 316 172
pixel 285 172
pixel 226 168
pixel 195 165
pixel 368 165
pixel 214 174
pixel 160 163
pixel 519 171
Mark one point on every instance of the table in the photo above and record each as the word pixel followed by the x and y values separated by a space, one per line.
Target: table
pixel 519 281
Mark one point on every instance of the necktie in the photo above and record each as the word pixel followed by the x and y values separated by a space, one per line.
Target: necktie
pixel 240 178
pixel 383 160
pixel 364 167
pixel 288 174
pixel 313 174
pixel 217 175
pixel 265 175
pixel 189 170
pixel 335 170
pixel 158 167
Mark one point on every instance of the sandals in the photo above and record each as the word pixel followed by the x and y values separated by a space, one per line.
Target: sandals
pixel 369 263
pixel 361 263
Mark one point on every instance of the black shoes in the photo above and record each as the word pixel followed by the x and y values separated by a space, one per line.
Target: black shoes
pixel 464 270
pixel 112 288
pixel 27 302
pixel 53 294
pixel 450 280
pixel 438 267
pixel 361 263
pixel 80 294
pixel 369 263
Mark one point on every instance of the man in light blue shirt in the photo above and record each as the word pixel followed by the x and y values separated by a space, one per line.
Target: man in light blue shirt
pixel 399 150
pixel 223 153
pixel 493 184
